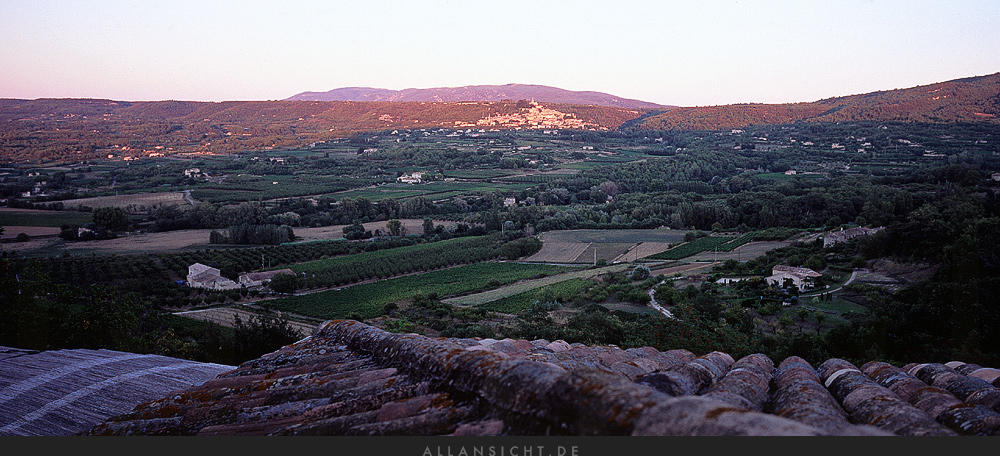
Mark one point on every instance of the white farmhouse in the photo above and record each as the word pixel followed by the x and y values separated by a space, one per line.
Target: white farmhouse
pixel 209 278
pixel 799 276
pixel 412 178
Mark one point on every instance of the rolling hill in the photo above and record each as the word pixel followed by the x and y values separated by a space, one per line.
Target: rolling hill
pixel 975 99
pixel 80 129
pixel 540 93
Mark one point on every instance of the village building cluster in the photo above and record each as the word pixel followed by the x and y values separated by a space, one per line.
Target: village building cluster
pixel 536 116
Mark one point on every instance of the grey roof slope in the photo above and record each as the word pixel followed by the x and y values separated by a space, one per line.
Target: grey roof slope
pixel 64 392
pixel 352 379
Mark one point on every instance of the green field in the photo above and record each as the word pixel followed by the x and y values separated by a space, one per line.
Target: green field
pixel 626 236
pixel 691 248
pixel 43 218
pixel 251 187
pixel 398 254
pixel 478 173
pixel 367 300
pixel 432 190
pixel 782 177
pixel 583 166
pixel 531 285
pixel 564 291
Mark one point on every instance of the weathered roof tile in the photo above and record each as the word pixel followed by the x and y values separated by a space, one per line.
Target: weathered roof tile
pixel 352 379
pixel 870 403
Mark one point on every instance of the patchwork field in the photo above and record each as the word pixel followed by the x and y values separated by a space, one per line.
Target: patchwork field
pixel 680 269
pixel 608 251
pixel 34 217
pixel 528 285
pixel 368 299
pixel 413 226
pixel 143 243
pixel 577 246
pixel 11 231
pixel 524 300
pixel 155 242
pixel 744 252
pixel 225 316
pixel 123 201
pixel 559 252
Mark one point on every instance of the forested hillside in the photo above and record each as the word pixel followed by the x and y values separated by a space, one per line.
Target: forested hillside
pixel 974 99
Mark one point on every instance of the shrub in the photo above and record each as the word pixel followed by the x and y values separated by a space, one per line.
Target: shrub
pixel 639 273
pixel 284 283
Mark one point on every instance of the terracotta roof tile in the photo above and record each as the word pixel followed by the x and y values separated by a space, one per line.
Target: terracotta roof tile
pixel 988 374
pixel 801 396
pixel 352 379
pixel 870 403
pixel 973 390
pixel 747 384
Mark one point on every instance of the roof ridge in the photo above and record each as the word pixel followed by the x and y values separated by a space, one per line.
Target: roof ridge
pixel 582 401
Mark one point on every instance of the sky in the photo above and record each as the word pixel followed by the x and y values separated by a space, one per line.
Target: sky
pixel 687 53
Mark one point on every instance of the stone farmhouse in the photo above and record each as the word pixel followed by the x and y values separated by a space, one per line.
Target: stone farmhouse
pixel 412 178
pixel 209 278
pixel 799 276
pixel 256 279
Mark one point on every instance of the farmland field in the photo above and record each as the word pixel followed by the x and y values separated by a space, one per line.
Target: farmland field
pixel 143 243
pixel 366 300
pixel 478 173
pixel 744 252
pixel 34 217
pixel 250 187
pixel 609 251
pixel 224 316
pixel 413 226
pixel 782 177
pixel 644 250
pixel 441 251
pixel 528 285
pixel 122 201
pixel 679 269
pixel 11 231
pixel 614 236
pixel 432 190
pixel 577 246
pixel 559 252
pixel 524 300
pixel 708 243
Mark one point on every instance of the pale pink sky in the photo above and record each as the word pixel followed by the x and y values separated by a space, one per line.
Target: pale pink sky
pixel 682 53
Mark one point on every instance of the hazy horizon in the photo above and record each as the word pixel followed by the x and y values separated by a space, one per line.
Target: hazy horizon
pixel 673 54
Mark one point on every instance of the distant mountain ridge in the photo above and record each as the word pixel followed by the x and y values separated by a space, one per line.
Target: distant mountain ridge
pixel 514 92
